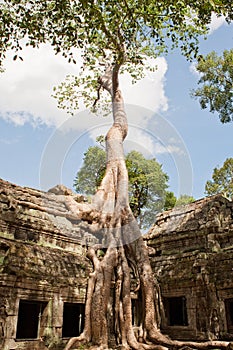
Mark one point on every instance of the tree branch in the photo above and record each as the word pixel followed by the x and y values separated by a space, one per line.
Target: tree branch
pixel 98 95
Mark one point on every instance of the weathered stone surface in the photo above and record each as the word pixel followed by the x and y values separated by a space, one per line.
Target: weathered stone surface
pixel 63 190
pixel 191 250
pixel 35 215
pixel 42 259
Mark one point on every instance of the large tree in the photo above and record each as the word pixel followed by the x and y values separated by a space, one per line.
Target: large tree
pixel 113 36
pixel 147 182
pixel 222 180
pixel 216 84
pixel 92 171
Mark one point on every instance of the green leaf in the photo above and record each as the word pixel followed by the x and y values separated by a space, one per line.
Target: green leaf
pixel 147 181
pixel 216 81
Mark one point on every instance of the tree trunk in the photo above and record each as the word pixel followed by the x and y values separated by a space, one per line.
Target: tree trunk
pixel 124 253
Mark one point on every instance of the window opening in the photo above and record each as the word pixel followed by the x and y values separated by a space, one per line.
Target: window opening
pixel 73 319
pixel 229 314
pixel 158 253
pixel 176 311
pixel 29 316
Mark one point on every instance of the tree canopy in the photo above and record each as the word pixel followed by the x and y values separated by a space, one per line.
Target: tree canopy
pixel 147 187
pixel 170 200
pixel 216 80
pixel 134 28
pixel 184 199
pixel 147 182
pixel 122 32
pixel 222 180
pixel 92 171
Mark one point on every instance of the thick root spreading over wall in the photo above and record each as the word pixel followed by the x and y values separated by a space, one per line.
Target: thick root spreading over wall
pixel 121 255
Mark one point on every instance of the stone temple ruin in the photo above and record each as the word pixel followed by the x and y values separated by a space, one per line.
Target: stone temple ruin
pixel 44 270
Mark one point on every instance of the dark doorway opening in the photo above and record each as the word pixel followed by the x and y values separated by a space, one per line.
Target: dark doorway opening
pixel 229 314
pixel 176 311
pixel 29 316
pixel 137 312
pixel 73 319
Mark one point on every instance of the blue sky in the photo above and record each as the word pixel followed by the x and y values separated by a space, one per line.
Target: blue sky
pixel 41 146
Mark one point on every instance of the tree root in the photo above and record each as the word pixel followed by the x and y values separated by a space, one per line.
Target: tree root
pixel 125 253
pixel 163 343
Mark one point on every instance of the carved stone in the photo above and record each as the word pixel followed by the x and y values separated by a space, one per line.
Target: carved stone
pixel 44 270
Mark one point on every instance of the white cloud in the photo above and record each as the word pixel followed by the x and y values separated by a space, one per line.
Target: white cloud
pixel 193 69
pixel 26 88
pixel 143 141
pixel 216 22
pixel 139 140
pixel 170 149
pixel 148 92
pixel 9 141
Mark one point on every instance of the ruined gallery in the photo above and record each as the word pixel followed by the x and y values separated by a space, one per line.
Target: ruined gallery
pixel 44 270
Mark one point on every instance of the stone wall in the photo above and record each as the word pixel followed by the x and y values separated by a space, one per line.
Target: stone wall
pixel 42 265
pixel 191 251
pixel 44 270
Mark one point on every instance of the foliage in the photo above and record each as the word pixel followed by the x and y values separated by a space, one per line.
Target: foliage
pixel 170 200
pixel 2 257
pixel 6 235
pixel 53 342
pixel 92 171
pixel 216 91
pixel 222 180
pixel 147 182
pixel 122 32
pixel 184 199
pixel 147 187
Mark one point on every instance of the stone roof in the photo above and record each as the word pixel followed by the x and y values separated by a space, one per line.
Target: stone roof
pixel 29 213
pixel 210 212
pixel 205 225
pixel 42 237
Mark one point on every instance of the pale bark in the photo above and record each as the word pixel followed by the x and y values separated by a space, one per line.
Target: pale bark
pixel 125 252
